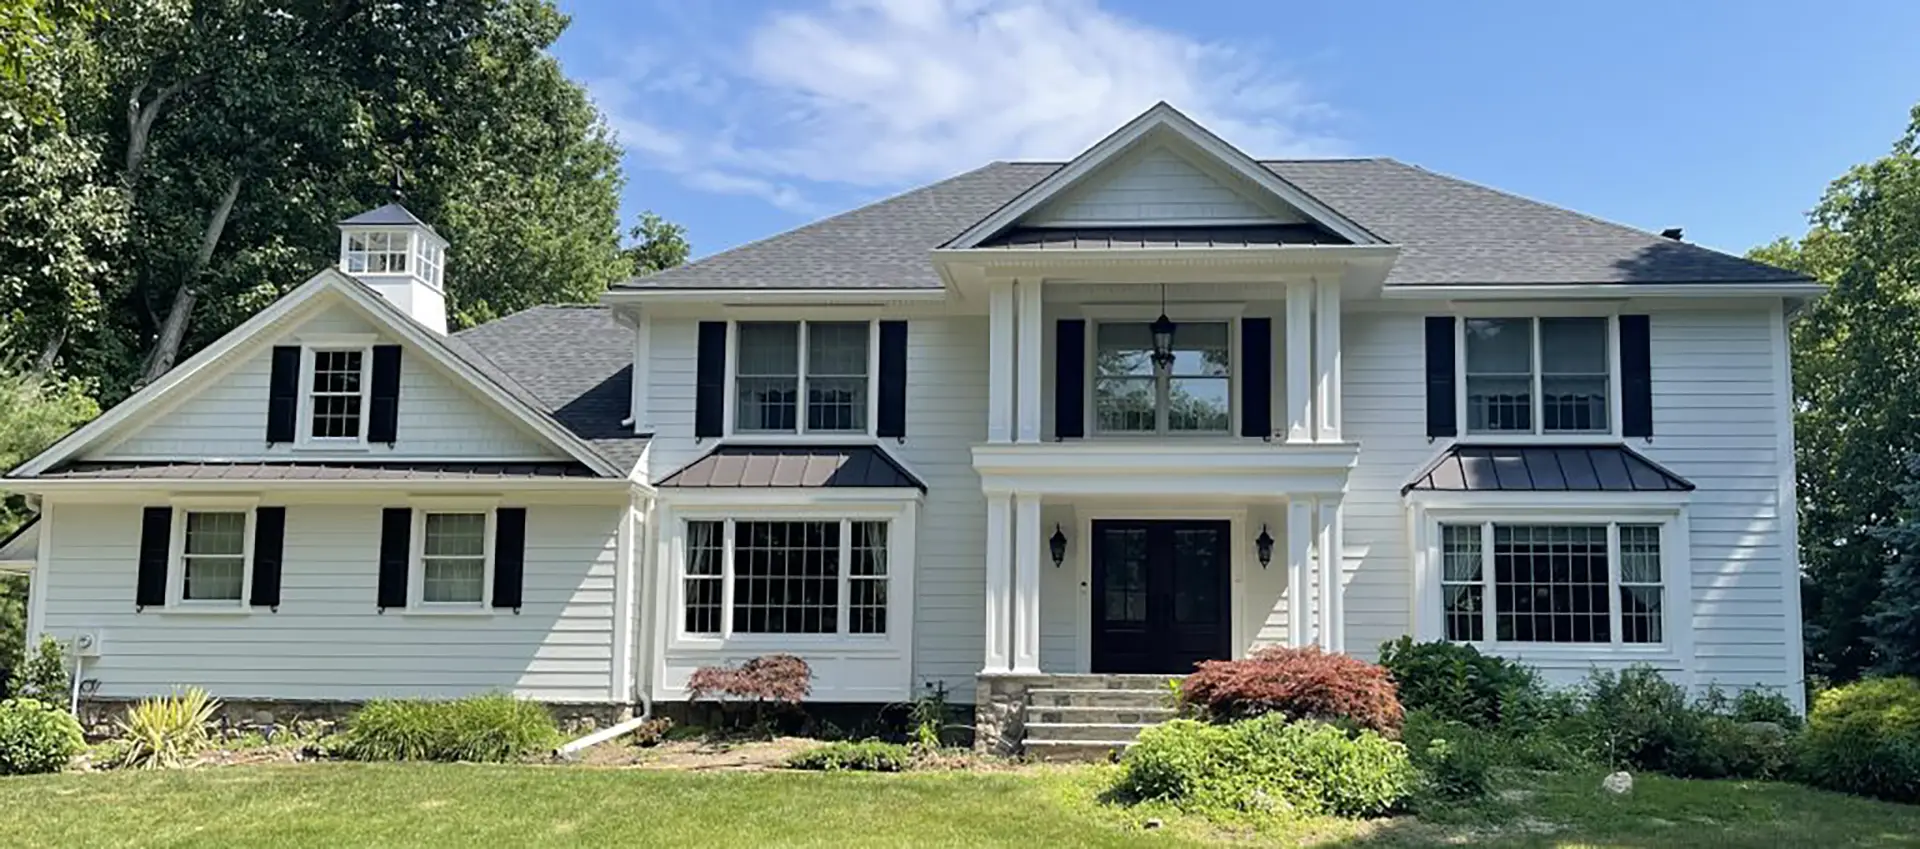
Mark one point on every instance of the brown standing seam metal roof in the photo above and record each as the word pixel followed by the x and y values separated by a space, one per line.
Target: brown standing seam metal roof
pixel 809 466
pixel 1544 468
pixel 1084 238
pixel 319 471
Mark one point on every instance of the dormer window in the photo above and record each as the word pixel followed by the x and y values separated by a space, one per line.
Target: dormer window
pixel 336 393
pixel 378 253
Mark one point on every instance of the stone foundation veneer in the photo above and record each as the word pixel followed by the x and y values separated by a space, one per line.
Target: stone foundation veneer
pixel 97 715
pixel 1000 711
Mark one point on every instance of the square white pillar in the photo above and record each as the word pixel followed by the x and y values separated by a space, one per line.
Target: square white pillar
pixel 999 596
pixel 1299 563
pixel 1026 584
pixel 1332 565
pixel 1326 379
pixel 1000 336
pixel 1300 360
pixel 1027 292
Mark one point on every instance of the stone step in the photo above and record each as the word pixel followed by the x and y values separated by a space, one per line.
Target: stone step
pixel 1156 683
pixel 1096 697
pixel 1108 714
pixel 1082 731
pixel 1075 751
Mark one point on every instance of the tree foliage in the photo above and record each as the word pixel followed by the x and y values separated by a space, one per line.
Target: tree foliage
pixel 1857 401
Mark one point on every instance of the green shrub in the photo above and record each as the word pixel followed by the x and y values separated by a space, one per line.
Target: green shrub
pixel 1864 738
pixel 1635 719
pixel 1298 683
pixel 1543 748
pixel 1454 772
pixel 166 731
pixel 1765 706
pixel 1458 683
pixel 863 756
pixel 36 737
pixel 1718 746
pixel 1264 764
pixel 490 728
pixel 43 674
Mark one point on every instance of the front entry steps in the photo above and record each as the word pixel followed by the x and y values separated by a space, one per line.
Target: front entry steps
pixel 1093 717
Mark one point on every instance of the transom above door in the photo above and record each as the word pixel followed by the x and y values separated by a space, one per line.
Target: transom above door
pixel 1161 595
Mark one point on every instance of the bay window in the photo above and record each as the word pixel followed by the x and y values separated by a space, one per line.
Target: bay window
pixel 802 376
pixel 1538 375
pixel 1194 395
pixel 1546 583
pixel 754 576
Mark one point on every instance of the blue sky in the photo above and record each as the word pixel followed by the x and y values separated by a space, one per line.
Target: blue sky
pixel 743 119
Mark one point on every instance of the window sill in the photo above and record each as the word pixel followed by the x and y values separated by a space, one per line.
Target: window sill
pixel 1582 654
pixel 187 608
pixel 862 644
pixel 454 612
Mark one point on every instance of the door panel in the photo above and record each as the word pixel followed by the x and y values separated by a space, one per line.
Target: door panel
pixel 1161 595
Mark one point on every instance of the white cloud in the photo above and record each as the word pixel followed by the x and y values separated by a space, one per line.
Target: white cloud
pixel 869 94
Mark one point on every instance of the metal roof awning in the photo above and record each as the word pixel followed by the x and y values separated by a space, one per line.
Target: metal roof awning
pixel 1544 468
pixel 793 466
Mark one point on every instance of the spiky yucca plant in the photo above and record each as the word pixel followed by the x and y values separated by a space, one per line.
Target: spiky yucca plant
pixel 164 732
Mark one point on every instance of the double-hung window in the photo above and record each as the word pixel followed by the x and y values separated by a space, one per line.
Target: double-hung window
pixel 1131 396
pixel 213 556
pixel 1538 375
pixel 802 376
pixel 754 576
pixel 453 558
pixel 337 386
pixel 1564 584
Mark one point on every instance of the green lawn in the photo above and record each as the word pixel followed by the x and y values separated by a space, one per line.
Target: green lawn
pixel 392 805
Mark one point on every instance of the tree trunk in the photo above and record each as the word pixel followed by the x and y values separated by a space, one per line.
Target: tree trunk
pixel 140 118
pixel 173 332
pixel 50 352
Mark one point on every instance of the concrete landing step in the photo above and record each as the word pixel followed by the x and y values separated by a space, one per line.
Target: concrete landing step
pixel 1101 697
pixel 1109 714
pixel 1082 731
pixel 1075 751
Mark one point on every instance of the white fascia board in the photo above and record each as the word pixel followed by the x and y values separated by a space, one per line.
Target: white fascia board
pixel 1162 116
pixel 825 499
pixel 1562 505
pixel 1094 468
pixel 238 486
pixel 728 297
pixel 1291 256
pixel 1588 291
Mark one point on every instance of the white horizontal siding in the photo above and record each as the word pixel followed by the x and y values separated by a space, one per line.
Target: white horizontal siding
pixel 1154 184
pixel 328 642
pixel 227 418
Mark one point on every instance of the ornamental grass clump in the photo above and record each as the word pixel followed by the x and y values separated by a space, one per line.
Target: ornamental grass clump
pixel 1298 684
pixel 493 728
pixel 168 731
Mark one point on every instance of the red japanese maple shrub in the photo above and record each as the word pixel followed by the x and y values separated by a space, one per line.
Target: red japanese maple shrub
pixel 1300 684
pixel 778 678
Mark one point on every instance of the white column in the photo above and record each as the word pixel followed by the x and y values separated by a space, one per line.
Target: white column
pixel 1000 331
pixel 1332 566
pixel 1299 360
pixel 1327 361
pixel 1299 553
pixel 1026 584
pixel 999 585
pixel 1028 367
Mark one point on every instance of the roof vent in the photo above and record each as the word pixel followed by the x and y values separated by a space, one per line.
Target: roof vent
pixel 1671 233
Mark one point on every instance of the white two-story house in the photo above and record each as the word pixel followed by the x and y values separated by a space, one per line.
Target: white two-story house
pixel 1159 404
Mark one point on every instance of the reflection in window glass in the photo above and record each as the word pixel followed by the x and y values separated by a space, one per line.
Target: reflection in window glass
pixel 1194 396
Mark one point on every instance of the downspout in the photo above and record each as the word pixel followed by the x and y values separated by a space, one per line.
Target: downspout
pixel 644 647
pixel 73 700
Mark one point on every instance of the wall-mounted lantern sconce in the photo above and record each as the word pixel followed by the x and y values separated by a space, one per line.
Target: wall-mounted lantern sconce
pixel 1057 544
pixel 1263 546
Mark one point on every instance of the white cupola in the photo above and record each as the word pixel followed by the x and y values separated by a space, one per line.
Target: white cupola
pixel 399 256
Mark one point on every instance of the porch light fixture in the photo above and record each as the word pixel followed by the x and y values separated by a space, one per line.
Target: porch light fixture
pixel 1162 329
pixel 1057 545
pixel 1263 546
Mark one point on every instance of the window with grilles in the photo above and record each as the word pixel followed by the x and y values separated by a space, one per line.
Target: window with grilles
pixel 1556 584
pixel 753 576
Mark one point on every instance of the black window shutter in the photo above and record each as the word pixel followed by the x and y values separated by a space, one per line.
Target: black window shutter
pixel 1070 378
pixel 269 537
pixel 1256 382
pixel 283 394
pixel 710 386
pixel 1636 376
pixel 383 416
pixel 150 587
pixel 509 556
pixel 396 526
pixel 893 380
pixel 1441 379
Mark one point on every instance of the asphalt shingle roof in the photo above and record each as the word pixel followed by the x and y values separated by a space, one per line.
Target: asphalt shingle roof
pixel 1450 231
pixel 572 362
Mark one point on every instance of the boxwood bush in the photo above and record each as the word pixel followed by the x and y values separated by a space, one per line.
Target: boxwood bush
pixel 1302 683
pixel 863 756
pixel 1865 738
pixel 1456 683
pixel 1267 764
pixel 36 737
pixel 490 728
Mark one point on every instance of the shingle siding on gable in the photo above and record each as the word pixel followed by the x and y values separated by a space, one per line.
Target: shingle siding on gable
pixel 227 418
pixel 1153 185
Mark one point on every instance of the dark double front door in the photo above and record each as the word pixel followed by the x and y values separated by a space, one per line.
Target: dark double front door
pixel 1160 595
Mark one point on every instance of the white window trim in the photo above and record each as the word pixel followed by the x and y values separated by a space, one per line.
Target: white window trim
pixel 1091 426
pixel 1676 569
pixel 1538 435
pixel 900 574
pixel 408 241
pixel 177 602
pixel 731 406
pixel 309 351
pixel 417 604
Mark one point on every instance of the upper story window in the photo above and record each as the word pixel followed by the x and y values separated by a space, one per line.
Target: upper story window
pixel 336 393
pixel 1130 396
pixel 802 376
pixel 1552 583
pixel 377 253
pixel 1538 375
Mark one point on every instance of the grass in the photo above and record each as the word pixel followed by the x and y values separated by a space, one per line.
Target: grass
pixel 466 805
